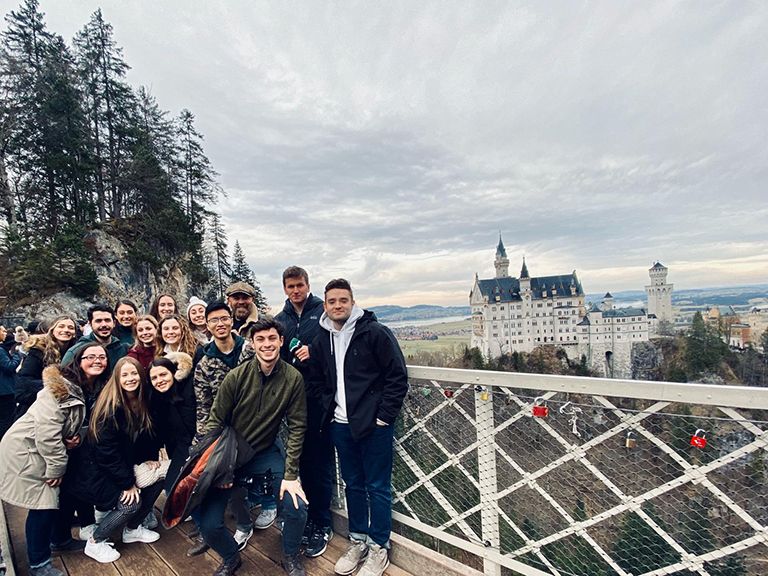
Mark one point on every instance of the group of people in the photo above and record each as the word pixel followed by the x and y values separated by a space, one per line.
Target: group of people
pixel 105 421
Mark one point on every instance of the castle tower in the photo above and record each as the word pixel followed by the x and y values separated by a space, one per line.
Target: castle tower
pixel 659 293
pixel 501 262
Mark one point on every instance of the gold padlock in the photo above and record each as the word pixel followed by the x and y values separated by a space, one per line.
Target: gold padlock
pixel 631 441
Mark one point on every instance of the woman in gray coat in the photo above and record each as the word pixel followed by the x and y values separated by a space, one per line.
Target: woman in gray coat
pixel 35 459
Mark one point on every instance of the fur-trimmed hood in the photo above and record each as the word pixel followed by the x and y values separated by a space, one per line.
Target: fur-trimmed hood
pixel 60 387
pixel 36 341
pixel 183 364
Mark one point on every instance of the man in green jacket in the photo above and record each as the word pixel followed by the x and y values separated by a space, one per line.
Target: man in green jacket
pixel 253 399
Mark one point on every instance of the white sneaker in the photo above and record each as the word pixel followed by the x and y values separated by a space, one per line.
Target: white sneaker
pixel 101 551
pixel 242 538
pixel 265 519
pixel 86 532
pixel 376 563
pixel 140 534
pixel 356 554
pixel 150 521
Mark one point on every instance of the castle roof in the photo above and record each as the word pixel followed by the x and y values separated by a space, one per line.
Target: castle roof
pixel 658 265
pixel 500 250
pixel 524 271
pixel 607 295
pixel 508 289
pixel 624 312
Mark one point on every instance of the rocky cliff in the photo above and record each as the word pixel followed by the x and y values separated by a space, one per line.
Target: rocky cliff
pixel 118 279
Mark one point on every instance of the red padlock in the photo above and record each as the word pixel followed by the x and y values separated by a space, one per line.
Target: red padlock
pixel 540 410
pixel 448 393
pixel 699 438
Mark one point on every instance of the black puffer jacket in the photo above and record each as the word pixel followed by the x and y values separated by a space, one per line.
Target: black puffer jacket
pixel 305 328
pixel 104 468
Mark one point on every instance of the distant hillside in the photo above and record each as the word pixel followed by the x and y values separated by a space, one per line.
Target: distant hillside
pixel 418 312
pixel 724 296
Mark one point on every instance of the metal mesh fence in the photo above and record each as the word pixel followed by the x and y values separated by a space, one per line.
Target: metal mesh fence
pixel 590 485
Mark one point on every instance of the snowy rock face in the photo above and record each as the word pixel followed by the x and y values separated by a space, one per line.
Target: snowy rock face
pixel 118 279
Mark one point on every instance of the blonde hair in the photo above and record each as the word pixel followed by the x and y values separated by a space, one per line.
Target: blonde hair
pixel 187 341
pixel 144 318
pixel 53 351
pixel 112 397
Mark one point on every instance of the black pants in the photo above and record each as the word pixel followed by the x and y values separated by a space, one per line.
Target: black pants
pixel 316 466
pixel 65 519
pixel 129 515
pixel 7 408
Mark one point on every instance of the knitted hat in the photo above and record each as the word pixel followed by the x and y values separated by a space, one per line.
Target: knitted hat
pixel 194 301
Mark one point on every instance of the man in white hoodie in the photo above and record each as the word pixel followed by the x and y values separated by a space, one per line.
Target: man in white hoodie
pixel 365 381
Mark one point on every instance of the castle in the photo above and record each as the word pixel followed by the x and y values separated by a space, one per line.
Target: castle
pixel 518 314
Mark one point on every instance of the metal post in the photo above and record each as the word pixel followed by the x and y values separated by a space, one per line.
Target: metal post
pixel 486 462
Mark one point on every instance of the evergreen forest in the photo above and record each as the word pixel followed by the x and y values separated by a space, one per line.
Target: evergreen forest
pixel 82 149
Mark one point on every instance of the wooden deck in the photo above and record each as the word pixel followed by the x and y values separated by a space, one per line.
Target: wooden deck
pixel 168 556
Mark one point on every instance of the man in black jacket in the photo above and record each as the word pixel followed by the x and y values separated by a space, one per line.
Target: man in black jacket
pixel 365 382
pixel 301 319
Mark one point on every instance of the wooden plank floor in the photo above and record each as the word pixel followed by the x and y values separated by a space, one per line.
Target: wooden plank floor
pixel 168 556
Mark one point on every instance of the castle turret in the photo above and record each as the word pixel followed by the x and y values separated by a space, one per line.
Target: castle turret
pixel 501 262
pixel 525 278
pixel 659 293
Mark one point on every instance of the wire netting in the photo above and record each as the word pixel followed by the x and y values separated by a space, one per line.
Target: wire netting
pixel 597 486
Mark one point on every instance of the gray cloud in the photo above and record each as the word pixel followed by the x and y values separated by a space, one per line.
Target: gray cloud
pixel 390 143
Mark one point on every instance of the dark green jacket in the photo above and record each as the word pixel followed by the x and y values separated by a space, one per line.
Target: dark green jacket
pixel 115 349
pixel 254 405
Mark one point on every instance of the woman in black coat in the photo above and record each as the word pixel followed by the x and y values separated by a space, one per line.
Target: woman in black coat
pixel 173 408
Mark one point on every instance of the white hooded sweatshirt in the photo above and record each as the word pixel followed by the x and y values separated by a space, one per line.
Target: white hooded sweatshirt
pixel 339 343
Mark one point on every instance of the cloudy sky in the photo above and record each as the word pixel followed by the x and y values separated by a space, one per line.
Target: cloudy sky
pixel 390 142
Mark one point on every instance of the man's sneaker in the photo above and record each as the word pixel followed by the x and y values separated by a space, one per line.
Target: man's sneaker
pixel 150 521
pixel 86 532
pixel 355 554
pixel 318 542
pixel 229 568
pixel 71 546
pixel 139 534
pixel 47 570
pixel 377 562
pixel 242 537
pixel 291 563
pixel 265 519
pixel 101 551
pixel 198 547
pixel 309 528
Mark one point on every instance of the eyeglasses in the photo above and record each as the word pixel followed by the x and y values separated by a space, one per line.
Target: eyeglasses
pixel 222 320
pixel 94 357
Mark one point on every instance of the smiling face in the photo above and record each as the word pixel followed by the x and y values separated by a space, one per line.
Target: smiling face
pixel 338 305
pixel 171 331
pixel 63 331
pixel 93 361
pixel 126 315
pixel 267 345
pixel 197 316
pixel 146 333
pixel 220 324
pixel 129 378
pixel 102 325
pixel 166 306
pixel 161 378
pixel 241 304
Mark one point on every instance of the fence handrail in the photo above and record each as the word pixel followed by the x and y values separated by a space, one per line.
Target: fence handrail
pixel 706 394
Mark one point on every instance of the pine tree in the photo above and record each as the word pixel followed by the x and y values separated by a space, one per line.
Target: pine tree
pixel 639 549
pixel 241 272
pixel 222 270
pixel 199 185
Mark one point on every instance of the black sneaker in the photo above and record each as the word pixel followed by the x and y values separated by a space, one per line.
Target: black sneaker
pixel 318 542
pixel 229 568
pixel 308 529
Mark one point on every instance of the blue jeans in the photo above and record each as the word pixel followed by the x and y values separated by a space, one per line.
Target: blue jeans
pixel 316 465
pixel 39 528
pixel 212 526
pixel 366 467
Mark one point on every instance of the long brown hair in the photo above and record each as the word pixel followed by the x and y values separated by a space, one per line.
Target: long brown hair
pixel 53 352
pixel 155 308
pixel 187 341
pixel 113 397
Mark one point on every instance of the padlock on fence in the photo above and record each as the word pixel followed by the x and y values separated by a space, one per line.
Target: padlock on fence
pixel 631 441
pixel 448 393
pixel 699 438
pixel 540 409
